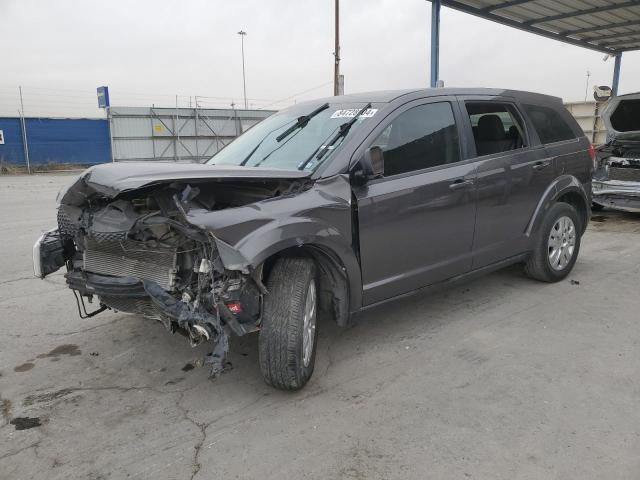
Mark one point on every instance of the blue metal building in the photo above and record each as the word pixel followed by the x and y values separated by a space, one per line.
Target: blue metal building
pixel 55 140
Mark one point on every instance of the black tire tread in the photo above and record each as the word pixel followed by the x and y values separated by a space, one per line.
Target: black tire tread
pixel 280 338
pixel 537 265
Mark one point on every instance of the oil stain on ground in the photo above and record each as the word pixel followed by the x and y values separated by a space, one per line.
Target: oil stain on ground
pixel 5 408
pixel 46 397
pixel 25 423
pixel 67 349
pixel 25 367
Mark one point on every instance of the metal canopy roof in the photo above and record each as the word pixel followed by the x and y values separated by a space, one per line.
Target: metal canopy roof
pixel 609 26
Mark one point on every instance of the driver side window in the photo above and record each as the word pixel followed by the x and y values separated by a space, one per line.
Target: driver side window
pixel 424 136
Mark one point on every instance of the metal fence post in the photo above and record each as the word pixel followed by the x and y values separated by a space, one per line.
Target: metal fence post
pixel 25 143
pixel 110 128
pixel 195 133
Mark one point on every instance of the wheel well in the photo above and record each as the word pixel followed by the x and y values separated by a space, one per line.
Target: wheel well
pixel 576 200
pixel 333 283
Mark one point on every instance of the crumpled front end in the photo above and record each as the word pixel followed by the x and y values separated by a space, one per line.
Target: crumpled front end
pixel 137 252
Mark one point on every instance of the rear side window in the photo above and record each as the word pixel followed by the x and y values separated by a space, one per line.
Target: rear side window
pixel 422 137
pixel 496 127
pixel 551 127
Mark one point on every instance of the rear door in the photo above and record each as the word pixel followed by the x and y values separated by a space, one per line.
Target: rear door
pixel 513 172
pixel 416 224
pixel 563 140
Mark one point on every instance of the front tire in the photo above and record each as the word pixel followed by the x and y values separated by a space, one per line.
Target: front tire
pixel 557 244
pixel 288 338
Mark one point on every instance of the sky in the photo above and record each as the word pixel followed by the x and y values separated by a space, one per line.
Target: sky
pixel 150 51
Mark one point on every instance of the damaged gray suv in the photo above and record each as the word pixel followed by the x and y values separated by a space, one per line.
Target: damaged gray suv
pixel 326 209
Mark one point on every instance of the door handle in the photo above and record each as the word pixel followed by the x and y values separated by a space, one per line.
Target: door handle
pixel 460 183
pixel 541 165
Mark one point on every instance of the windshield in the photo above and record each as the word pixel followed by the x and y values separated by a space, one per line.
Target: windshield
pixel 273 143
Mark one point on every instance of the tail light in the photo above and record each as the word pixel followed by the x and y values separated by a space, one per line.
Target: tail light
pixel 592 153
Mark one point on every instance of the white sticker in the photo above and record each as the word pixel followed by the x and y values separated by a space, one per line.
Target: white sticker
pixel 352 112
pixel 1 137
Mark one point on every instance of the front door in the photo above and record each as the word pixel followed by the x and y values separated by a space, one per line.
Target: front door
pixel 416 223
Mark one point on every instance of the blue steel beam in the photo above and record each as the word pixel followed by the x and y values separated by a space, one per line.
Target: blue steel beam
pixel 616 74
pixel 435 42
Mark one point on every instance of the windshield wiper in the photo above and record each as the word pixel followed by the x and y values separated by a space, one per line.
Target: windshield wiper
pixel 342 132
pixel 302 122
pixel 254 149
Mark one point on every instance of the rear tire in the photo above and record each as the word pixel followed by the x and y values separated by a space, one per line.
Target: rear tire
pixel 287 343
pixel 556 246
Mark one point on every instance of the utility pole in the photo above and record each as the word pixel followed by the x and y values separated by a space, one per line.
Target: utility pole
pixel 336 53
pixel 25 145
pixel 242 34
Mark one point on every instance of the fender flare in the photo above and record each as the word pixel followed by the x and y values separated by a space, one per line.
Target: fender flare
pixel 561 186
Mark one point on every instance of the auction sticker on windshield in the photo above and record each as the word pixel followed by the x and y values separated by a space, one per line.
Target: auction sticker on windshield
pixel 352 112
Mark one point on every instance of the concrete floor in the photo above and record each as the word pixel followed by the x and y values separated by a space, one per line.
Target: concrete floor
pixel 502 378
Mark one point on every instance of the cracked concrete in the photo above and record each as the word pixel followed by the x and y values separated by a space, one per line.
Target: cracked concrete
pixel 502 378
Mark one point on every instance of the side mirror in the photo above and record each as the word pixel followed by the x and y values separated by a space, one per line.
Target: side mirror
pixel 374 162
pixel 370 166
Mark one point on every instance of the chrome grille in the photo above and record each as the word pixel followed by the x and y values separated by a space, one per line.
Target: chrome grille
pixel 625 174
pixel 131 259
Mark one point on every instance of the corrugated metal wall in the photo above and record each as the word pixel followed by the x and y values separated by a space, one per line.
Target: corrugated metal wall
pixel 12 151
pixel 182 134
pixel 56 140
pixel 587 116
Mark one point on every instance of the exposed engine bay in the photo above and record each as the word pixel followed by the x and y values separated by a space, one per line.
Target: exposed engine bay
pixel 138 253
pixel 616 179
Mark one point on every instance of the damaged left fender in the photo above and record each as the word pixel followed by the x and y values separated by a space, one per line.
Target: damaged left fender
pixel 320 216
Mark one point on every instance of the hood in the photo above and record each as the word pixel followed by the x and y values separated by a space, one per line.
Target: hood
pixel 111 179
pixel 621 116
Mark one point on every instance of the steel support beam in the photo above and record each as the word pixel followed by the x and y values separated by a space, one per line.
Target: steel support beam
pixel 562 37
pixel 512 3
pixel 596 28
pixel 616 74
pixel 578 13
pixel 435 42
pixel 616 36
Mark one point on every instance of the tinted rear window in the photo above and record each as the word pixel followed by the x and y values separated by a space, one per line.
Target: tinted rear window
pixel 551 127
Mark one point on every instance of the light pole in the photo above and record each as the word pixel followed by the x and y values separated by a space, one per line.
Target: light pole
pixel 242 34
pixel 336 52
